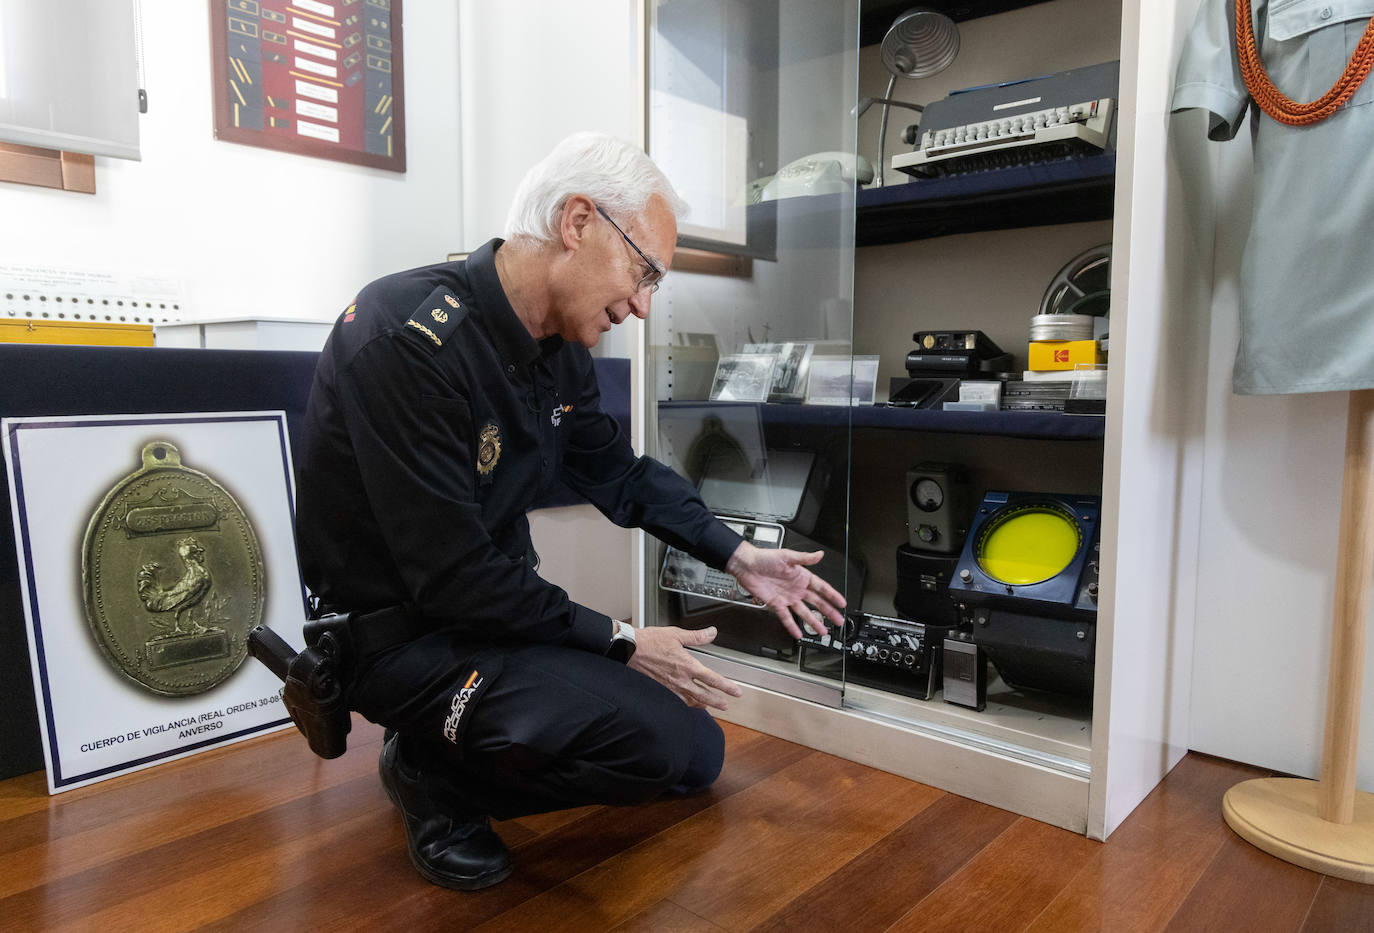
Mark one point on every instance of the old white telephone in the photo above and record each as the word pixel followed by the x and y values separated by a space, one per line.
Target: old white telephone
pixel 818 173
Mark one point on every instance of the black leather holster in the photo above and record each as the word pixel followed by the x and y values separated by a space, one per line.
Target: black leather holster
pixel 318 679
pixel 315 679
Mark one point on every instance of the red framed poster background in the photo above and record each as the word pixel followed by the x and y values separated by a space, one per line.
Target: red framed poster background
pixel 315 77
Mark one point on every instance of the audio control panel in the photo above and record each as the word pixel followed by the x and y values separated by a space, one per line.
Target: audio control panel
pixel 895 654
pixel 893 642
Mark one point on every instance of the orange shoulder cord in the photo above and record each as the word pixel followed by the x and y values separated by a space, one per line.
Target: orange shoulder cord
pixel 1273 101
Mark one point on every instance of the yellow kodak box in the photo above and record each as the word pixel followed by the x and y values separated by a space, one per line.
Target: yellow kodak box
pixel 1061 354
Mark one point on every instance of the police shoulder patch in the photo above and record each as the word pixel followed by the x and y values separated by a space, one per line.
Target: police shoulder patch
pixel 437 317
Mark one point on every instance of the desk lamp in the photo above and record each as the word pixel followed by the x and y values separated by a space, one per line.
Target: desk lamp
pixel 919 43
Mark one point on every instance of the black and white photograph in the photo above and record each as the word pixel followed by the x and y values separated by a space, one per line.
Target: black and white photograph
pixel 791 371
pixel 842 380
pixel 744 377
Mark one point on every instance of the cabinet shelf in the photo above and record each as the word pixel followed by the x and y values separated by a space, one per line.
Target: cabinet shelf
pixel 878 15
pixel 1022 424
pixel 1058 192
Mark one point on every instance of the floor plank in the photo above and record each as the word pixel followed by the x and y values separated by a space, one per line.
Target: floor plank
pixel 772 864
pixel 667 917
pixel 1340 905
pixel 1244 888
pixel 875 889
pixel 1006 885
pixel 238 859
pixel 542 862
pixel 744 857
pixel 1139 881
pixel 263 836
pixel 142 811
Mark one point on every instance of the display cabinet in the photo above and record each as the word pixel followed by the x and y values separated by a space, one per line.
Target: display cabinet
pixel 767 390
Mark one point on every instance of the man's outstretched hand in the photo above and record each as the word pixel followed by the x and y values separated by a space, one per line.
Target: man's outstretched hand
pixel 780 579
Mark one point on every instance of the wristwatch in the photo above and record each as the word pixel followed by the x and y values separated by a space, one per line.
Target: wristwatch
pixel 622 643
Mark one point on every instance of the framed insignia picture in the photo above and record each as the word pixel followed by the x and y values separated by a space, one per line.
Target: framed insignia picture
pixel 312 77
pixel 149 546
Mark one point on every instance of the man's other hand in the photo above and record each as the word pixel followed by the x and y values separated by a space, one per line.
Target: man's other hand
pixel 661 652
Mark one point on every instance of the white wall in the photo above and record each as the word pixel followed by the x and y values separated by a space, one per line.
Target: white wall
pixel 253 232
pixel 248 231
pixel 1270 511
pixel 533 72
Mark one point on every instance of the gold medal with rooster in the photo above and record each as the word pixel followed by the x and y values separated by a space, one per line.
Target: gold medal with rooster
pixel 172 576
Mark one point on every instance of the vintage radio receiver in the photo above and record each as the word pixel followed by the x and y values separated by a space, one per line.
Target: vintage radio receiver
pixel 713 597
pixel 1032 120
pixel 685 574
pixel 880 651
pixel 770 497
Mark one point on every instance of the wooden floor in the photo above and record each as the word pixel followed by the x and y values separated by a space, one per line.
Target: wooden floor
pixel 262 836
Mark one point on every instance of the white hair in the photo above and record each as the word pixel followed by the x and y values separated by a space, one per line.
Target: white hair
pixel 613 173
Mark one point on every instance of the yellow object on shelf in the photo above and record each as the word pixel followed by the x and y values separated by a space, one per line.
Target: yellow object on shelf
pixel 1046 355
pixel 1030 547
pixel 94 333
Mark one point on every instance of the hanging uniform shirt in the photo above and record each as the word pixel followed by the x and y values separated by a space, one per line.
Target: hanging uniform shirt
pixel 1307 275
pixel 435 422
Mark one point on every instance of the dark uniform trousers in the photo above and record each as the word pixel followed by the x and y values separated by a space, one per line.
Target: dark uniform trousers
pixel 512 729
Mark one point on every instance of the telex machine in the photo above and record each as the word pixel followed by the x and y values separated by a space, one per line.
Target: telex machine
pixel 1039 119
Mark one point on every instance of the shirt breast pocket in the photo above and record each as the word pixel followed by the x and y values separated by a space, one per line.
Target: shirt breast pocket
pixel 1308 43
pixel 451 428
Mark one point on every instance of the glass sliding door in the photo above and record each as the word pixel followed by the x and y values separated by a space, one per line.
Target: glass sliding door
pixel 751 114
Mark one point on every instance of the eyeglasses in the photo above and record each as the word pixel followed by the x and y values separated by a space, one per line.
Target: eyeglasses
pixel 654 276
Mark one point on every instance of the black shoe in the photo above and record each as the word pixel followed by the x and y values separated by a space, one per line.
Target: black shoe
pixel 448 849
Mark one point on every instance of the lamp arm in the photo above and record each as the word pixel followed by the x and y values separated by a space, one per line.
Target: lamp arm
pixel 896 103
pixel 882 133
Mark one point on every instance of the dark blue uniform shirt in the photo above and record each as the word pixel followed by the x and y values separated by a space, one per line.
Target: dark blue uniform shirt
pixel 435 421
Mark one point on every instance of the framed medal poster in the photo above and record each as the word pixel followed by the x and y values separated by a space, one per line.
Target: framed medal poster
pixel 149 546
pixel 317 78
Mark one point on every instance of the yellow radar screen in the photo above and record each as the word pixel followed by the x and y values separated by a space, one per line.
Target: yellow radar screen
pixel 1029 545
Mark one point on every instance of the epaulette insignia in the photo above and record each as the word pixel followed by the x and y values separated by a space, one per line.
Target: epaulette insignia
pixel 437 317
pixel 349 312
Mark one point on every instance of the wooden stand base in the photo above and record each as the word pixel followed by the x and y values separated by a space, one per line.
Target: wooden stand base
pixel 1328 825
pixel 1279 815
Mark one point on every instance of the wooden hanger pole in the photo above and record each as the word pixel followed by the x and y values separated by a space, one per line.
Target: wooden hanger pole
pixel 1328 825
pixel 1353 563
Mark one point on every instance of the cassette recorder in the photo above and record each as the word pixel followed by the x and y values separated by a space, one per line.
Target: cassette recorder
pixel 880 651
